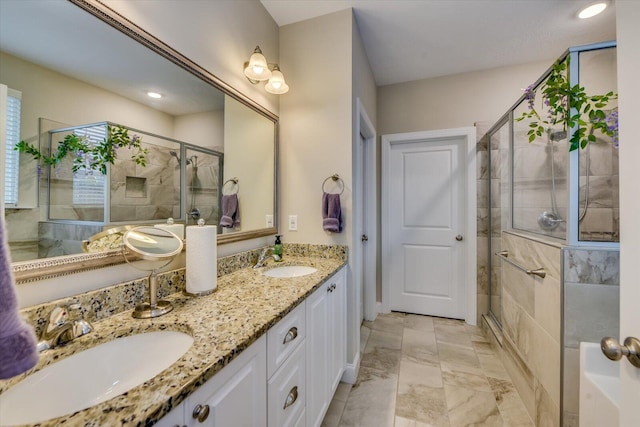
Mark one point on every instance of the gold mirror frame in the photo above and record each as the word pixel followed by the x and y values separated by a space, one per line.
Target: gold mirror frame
pixel 29 271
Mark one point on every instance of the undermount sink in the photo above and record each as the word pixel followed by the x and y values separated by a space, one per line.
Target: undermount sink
pixel 290 271
pixel 599 387
pixel 92 376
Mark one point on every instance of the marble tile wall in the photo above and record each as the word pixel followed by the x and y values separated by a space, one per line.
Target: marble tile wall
pixel 531 321
pixel 160 197
pixel 591 312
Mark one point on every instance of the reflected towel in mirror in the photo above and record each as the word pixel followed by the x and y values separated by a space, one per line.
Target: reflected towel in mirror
pixel 17 339
pixel 331 213
pixel 230 211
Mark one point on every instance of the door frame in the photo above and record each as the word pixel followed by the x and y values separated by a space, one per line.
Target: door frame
pixel 365 254
pixel 468 157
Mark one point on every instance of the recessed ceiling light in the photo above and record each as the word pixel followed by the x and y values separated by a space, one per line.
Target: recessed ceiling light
pixel 592 10
pixel 155 95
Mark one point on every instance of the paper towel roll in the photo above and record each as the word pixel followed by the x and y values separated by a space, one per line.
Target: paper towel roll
pixel 202 259
pixel 177 229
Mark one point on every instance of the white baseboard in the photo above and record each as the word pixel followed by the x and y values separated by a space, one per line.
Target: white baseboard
pixel 350 374
pixel 379 307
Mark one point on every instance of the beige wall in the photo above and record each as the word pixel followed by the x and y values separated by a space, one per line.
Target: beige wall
pixel 315 123
pixel 201 129
pixel 453 101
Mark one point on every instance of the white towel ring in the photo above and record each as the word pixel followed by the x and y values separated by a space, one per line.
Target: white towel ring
pixel 336 178
pixel 235 186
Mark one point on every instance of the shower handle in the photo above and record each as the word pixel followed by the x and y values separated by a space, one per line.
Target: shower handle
pixel 459 237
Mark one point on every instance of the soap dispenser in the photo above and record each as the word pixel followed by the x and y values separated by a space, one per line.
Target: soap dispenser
pixel 277 248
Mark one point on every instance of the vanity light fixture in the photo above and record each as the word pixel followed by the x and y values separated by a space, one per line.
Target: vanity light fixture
pixel 154 95
pixel 592 10
pixel 257 70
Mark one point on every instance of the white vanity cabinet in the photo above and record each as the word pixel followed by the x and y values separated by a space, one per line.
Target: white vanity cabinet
pixel 235 396
pixel 326 345
pixel 287 378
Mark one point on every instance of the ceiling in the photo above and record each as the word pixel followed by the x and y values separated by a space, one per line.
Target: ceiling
pixel 408 40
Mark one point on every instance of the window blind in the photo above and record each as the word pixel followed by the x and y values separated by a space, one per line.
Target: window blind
pixel 89 186
pixel 12 157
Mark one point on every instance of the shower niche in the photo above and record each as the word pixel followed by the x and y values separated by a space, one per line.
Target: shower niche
pixel 177 179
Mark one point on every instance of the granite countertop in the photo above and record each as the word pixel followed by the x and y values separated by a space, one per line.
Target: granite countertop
pixel 243 307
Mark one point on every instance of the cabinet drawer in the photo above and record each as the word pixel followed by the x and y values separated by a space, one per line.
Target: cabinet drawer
pixel 284 338
pixel 287 391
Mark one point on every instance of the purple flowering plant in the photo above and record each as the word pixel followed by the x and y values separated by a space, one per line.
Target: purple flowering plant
pixel 89 155
pixel 570 107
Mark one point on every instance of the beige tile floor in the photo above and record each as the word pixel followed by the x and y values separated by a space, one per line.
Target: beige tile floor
pixel 419 371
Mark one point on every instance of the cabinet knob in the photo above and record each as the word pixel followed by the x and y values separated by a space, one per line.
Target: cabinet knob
pixel 201 413
pixel 291 335
pixel 291 397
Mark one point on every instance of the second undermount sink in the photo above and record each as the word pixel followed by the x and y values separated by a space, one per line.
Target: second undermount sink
pixel 91 377
pixel 290 271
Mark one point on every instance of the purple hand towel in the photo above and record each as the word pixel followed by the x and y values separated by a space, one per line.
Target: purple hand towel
pixel 230 211
pixel 17 339
pixel 331 213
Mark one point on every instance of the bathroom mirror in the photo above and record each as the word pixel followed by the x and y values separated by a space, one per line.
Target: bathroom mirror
pixel 79 62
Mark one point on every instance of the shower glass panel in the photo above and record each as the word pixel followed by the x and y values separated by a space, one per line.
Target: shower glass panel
pixel 599 218
pixel 540 176
pixel 145 193
pixel 203 178
pixel 499 141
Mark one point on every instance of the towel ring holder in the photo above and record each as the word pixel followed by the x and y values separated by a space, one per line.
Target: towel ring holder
pixel 335 178
pixel 234 181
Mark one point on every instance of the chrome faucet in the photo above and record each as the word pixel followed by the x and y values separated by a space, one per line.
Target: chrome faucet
pixel 61 329
pixel 264 257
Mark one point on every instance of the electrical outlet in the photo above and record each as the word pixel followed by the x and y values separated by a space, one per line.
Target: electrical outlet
pixel 269 221
pixel 293 222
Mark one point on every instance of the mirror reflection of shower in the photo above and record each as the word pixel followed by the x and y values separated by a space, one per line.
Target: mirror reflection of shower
pixel 194 186
pixel 549 221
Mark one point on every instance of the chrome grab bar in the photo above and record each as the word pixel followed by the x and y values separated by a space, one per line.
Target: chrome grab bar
pixel 540 272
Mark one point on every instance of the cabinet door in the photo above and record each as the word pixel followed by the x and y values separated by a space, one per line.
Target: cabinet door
pixel 287 390
pixel 237 395
pixel 338 329
pixel 318 360
pixel 173 418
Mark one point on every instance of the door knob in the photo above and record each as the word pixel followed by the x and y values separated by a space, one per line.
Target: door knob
pixel 614 351
pixel 459 237
pixel 365 238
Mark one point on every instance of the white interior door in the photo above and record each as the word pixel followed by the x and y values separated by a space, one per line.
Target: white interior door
pixel 425 249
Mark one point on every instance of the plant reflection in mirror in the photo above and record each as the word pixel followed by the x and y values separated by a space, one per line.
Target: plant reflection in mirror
pixel 90 155
pixel 570 107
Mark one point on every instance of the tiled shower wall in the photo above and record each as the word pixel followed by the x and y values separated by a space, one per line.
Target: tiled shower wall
pixel 531 324
pixel 145 193
pixel 591 312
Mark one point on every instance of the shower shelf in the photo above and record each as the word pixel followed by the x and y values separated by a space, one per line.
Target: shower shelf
pixel 540 272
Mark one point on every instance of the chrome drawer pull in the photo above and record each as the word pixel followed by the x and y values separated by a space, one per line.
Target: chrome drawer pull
pixel 201 413
pixel 291 335
pixel 291 397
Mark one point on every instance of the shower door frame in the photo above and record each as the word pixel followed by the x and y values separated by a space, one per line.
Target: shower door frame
pixel 506 119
